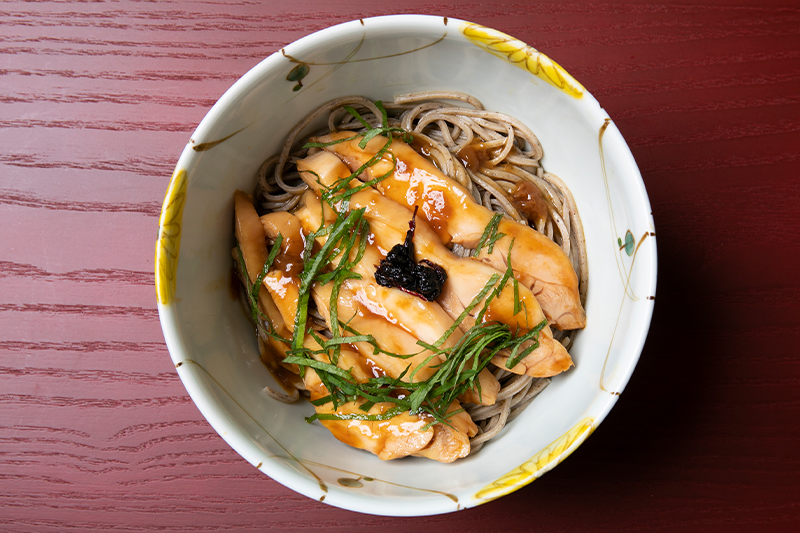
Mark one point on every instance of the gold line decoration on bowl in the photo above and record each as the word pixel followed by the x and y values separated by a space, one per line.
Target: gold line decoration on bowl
pixel 168 243
pixel 323 487
pixel 355 482
pixel 526 57
pixel 202 147
pixel 303 68
pixel 537 465
pixel 629 247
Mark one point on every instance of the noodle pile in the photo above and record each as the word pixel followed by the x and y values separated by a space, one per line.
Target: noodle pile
pixel 442 132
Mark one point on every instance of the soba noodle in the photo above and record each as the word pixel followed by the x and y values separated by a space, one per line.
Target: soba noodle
pixel 446 129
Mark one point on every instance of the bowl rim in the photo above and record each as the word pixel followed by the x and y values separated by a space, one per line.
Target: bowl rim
pixel 230 431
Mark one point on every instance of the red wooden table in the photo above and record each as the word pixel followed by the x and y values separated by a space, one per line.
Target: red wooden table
pixel 97 101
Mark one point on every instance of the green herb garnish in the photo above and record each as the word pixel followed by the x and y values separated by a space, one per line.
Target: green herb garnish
pixel 312 267
pixel 341 191
pixel 490 235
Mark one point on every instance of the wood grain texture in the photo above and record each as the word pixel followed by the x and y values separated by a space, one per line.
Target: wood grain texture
pixel 97 100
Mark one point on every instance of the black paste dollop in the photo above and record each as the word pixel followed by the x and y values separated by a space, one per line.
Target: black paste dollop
pixel 424 279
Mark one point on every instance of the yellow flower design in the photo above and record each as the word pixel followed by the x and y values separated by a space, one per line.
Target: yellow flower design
pixel 526 57
pixel 537 465
pixel 169 237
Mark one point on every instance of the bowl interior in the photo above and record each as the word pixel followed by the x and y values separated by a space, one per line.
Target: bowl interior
pixel 212 342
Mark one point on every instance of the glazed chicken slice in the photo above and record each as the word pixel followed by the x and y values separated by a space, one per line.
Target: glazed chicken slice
pixel 283 279
pixel 453 214
pixel 426 320
pixel 283 285
pixel 399 436
pixel 450 441
pixel 466 277
pixel 251 238
pixel 402 434
pixel 362 311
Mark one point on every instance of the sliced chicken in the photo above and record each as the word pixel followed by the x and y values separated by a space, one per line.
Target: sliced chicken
pixel 466 277
pixel 453 214
pixel 359 307
pixel 426 320
pixel 450 441
pixel 399 436
pixel 283 279
pixel 252 242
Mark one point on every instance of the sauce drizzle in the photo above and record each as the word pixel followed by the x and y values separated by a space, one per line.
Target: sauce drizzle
pixel 527 198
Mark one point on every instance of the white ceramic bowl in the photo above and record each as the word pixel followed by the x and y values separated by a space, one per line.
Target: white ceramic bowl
pixel 213 345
